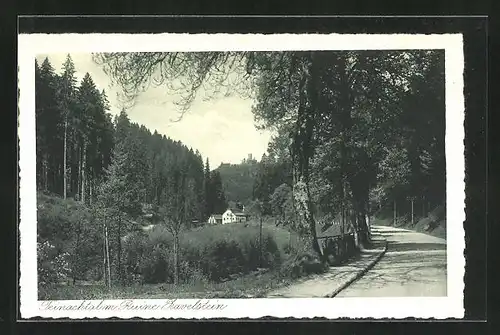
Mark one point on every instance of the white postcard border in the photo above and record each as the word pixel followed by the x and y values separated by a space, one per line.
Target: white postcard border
pixel 30 45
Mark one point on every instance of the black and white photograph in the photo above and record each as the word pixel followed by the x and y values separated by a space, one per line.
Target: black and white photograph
pixel 323 176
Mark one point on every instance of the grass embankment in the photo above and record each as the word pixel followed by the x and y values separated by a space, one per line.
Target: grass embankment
pixel 221 261
pixel 433 224
pixel 247 286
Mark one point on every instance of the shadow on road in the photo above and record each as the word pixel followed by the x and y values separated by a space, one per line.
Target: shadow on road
pixel 396 232
pixel 398 246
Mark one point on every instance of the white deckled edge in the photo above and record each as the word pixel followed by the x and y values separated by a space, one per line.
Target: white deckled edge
pixel 451 306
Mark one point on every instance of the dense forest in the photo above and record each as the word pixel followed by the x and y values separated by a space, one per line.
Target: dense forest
pixel 79 146
pixel 358 129
pixel 108 170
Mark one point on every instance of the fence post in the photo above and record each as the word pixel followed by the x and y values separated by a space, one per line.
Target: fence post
pixel 395 214
pixel 412 211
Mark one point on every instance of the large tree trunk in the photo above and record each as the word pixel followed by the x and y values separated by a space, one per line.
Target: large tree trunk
pixel 45 174
pixel 302 147
pixel 303 207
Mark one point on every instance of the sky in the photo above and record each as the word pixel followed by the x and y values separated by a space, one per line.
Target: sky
pixel 222 130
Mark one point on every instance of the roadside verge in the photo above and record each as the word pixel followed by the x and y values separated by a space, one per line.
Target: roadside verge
pixel 336 279
pixel 358 274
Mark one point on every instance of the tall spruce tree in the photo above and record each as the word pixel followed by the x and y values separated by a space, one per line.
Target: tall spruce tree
pixel 67 91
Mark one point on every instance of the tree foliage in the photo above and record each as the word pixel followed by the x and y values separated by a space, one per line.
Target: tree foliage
pixel 116 172
pixel 367 112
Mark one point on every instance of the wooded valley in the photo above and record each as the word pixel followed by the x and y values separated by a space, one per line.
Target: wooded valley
pixel 356 134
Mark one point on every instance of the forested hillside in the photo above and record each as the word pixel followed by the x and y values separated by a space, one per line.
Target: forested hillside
pixel 80 146
pixel 100 179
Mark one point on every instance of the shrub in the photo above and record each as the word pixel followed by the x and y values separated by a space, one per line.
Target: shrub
pixel 154 265
pixel 52 266
pixel 289 249
pixel 211 253
pixel 134 251
pixel 67 226
pixel 222 258
pixel 303 264
pixel 302 260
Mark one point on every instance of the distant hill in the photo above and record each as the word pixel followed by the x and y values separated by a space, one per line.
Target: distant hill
pixel 238 180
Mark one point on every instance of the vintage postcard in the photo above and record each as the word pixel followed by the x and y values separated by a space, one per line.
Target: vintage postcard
pixel 194 176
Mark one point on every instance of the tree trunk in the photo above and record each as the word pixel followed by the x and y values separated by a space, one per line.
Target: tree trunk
pixel 260 243
pixel 412 212
pixel 74 166
pixel 176 258
pixel 363 226
pixel 64 158
pixel 342 199
pixel 302 147
pixel 342 221
pixel 77 247
pixel 423 207
pixel 119 251
pixel 107 255
pixel 91 183
pixel 395 214
pixel 84 167
pixel 104 269
pixel 46 173
pixel 302 197
pixel 79 178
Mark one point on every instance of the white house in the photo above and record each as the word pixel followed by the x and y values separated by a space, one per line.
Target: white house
pixel 231 216
pixel 228 217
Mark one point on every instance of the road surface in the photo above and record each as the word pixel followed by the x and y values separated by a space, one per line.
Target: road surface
pixel 414 265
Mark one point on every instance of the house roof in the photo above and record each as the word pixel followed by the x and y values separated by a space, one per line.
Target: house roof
pixel 216 216
pixel 236 211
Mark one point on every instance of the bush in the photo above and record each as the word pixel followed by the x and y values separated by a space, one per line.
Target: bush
pixel 301 260
pixel 222 259
pixel 154 267
pixel 212 253
pixel 52 265
pixel 68 227
pixel 303 264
